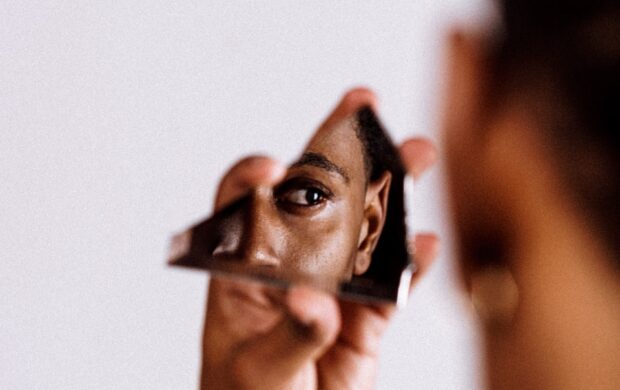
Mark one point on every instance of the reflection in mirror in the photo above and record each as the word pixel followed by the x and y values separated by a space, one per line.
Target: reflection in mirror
pixel 336 221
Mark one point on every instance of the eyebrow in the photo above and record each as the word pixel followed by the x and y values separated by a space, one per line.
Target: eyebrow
pixel 320 161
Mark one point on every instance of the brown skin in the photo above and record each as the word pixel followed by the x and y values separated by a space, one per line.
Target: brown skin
pixel 323 219
pixel 564 330
pixel 256 337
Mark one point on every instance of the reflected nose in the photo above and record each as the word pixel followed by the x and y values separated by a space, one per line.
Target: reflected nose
pixel 262 231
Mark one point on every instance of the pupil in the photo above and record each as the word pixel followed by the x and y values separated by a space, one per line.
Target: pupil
pixel 312 196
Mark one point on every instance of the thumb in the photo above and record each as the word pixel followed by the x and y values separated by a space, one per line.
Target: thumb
pixel 426 250
pixel 279 357
pixel 246 174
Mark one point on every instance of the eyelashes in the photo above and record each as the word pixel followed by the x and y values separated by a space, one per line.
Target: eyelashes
pixel 301 194
pixel 303 197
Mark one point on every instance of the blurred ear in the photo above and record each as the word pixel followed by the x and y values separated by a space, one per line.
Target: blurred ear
pixel 375 210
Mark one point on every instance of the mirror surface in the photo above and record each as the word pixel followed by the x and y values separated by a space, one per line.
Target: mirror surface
pixel 336 221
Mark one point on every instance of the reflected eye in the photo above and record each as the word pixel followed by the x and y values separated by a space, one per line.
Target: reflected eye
pixel 303 197
pixel 300 194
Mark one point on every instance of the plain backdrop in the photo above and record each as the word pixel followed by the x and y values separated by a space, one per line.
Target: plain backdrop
pixel 117 118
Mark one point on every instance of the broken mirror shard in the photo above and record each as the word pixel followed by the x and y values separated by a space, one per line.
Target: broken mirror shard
pixel 335 222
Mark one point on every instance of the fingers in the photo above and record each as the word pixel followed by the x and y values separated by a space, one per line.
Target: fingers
pixel 312 307
pixel 350 103
pixel 418 155
pixel 277 358
pixel 356 98
pixel 246 174
pixel 257 171
pixel 426 250
pixel 364 325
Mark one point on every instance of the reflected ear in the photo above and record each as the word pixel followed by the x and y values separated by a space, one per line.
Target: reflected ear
pixel 375 211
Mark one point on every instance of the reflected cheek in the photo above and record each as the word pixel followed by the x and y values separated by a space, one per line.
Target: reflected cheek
pixel 323 245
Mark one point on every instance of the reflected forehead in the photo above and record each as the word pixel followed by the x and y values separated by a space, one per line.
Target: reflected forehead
pixel 320 161
pixel 340 145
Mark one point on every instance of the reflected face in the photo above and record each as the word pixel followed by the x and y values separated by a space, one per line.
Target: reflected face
pixel 322 222
pixel 310 223
pixel 321 203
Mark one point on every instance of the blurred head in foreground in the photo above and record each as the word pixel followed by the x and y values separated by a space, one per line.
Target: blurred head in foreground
pixel 534 171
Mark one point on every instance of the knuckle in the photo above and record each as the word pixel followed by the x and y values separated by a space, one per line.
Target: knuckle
pixel 250 162
pixel 243 372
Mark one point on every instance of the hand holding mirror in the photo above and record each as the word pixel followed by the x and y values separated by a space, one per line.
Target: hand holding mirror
pixel 336 221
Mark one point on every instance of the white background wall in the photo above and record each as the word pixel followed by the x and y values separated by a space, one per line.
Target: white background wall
pixel 117 119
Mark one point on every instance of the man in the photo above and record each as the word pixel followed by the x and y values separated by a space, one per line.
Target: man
pixel 533 164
